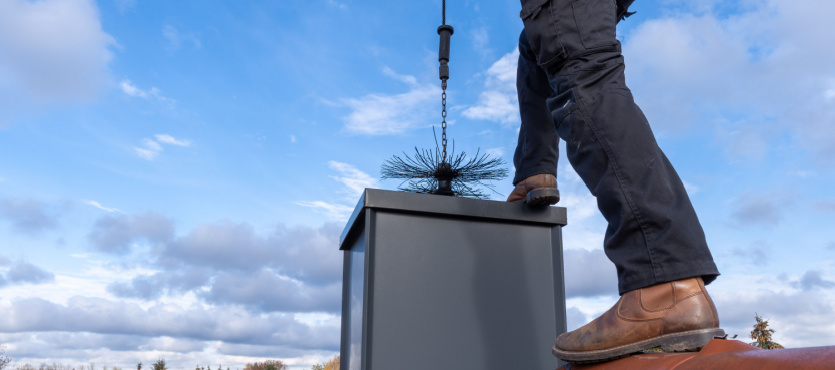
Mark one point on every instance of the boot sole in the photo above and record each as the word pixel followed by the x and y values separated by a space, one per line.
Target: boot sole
pixel 542 197
pixel 688 341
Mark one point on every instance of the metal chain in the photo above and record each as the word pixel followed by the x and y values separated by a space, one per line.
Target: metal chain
pixel 443 122
pixel 443 94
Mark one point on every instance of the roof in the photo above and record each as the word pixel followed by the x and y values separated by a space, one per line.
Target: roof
pixel 724 354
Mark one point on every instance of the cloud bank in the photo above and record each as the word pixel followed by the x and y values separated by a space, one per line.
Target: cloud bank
pixel 55 50
pixel 763 64
pixel 387 114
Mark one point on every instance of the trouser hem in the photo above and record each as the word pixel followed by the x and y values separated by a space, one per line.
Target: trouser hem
pixel 525 173
pixel 669 272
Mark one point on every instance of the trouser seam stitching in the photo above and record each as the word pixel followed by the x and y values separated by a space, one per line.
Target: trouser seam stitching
pixel 616 169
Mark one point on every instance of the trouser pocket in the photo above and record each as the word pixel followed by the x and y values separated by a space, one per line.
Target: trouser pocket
pixel 560 30
pixel 545 43
pixel 595 20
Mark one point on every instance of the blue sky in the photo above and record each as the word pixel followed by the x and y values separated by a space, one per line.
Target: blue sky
pixel 174 175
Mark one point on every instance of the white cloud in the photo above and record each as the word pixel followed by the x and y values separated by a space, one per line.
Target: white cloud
pixel 575 318
pixel 764 65
pixel 102 334
pixel 99 206
pixel 380 114
pixel 590 307
pixel 146 153
pixel 592 274
pixel 495 152
pixel 150 149
pixel 117 233
pixel 153 145
pixel 691 189
pixel 411 80
pixel 270 292
pixel 54 49
pixel 130 89
pixel 292 138
pixel 335 212
pixel 128 330
pixel 291 269
pixel 168 139
pixel 498 102
pixel 354 180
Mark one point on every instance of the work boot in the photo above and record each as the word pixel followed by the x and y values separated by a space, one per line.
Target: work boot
pixel 537 190
pixel 677 316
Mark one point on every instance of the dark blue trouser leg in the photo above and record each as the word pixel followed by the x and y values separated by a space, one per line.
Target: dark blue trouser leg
pixel 653 234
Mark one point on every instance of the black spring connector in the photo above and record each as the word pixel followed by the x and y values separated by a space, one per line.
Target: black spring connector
pixel 445 31
pixel 444 175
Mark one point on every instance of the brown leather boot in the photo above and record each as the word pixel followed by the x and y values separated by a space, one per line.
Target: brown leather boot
pixel 537 190
pixel 676 316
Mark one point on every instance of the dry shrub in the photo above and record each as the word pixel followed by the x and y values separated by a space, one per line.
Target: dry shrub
pixel 267 365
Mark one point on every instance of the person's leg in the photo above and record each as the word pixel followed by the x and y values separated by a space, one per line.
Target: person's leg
pixel 653 234
pixel 536 153
pixel 537 149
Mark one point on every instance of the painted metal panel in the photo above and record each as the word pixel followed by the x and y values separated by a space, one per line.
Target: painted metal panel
pixel 452 283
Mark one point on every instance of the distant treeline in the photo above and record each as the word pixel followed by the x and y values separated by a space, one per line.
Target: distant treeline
pixel 332 364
